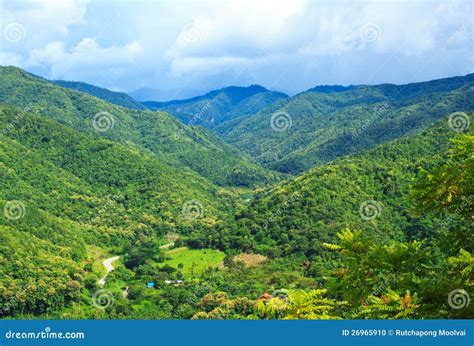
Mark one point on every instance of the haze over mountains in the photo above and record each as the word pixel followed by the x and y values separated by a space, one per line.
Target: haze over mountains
pixel 219 106
pixel 118 98
pixel 158 132
pixel 321 126
pixel 89 173
pixel 323 122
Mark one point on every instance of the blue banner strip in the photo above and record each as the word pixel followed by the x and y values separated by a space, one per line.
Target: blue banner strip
pixel 242 333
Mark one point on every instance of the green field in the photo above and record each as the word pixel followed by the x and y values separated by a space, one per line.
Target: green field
pixel 201 259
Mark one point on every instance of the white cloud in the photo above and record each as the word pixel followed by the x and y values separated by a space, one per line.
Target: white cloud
pixel 86 54
pixel 200 45
pixel 44 19
pixel 51 54
pixel 239 28
pixel 244 31
pixel 10 59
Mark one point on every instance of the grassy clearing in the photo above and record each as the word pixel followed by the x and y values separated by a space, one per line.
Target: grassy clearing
pixel 194 261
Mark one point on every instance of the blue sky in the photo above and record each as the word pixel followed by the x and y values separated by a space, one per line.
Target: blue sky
pixel 185 48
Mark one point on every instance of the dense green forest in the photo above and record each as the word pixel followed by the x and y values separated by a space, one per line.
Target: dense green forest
pixel 219 106
pixel 168 139
pixel 315 127
pixel 378 225
pixel 117 98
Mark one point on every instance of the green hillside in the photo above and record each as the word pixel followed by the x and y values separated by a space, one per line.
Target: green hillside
pixel 219 106
pixel 117 98
pixel 386 233
pixel 317 127
pixel 370 236
pixel 63 191
pixel 167 138
pixel 378 226
pixel 298 215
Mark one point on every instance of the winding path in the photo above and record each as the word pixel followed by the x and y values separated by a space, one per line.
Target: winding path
pixel 166 246
pixel 108 267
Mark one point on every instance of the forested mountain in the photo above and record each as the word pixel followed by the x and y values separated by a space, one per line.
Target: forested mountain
pixel 218 106
pixel 387 231
pixel 118 98
pixel 158 132
pixel 379 224
pixel 298 215
pixel 330 88
pixel 315 127
pixel 67 195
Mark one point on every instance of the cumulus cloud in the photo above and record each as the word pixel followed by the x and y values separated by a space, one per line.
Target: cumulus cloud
pixel 86 54
pixel 183 48
pixel 240 27
pixel 44 19
pixel 10 59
